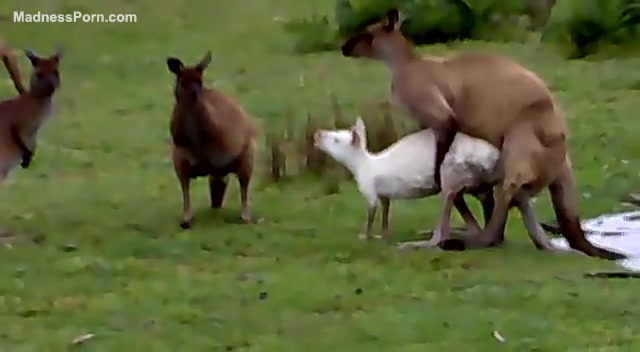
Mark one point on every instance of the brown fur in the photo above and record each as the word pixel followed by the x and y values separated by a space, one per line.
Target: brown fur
pixel 489 97
pixel 212 136
pixel 21 117
pixel 10 64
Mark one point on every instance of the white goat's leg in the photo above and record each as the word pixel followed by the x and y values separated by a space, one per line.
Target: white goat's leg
pixel 471 224
pixel 443 229
pixel 385 216
pixel 368 229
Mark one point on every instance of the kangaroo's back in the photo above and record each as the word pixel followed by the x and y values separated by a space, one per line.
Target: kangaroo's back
pixel 497 91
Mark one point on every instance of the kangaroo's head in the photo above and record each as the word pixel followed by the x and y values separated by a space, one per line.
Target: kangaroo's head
pixel 45 77
pixel 377 41
pixel 188 86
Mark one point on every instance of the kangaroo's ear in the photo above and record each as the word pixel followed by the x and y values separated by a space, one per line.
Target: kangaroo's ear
pixel 204 63
pixel 59 52
pixel 31 56
pixel 175 65
pixel 393 20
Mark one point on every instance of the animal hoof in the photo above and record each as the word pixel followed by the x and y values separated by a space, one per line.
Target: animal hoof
pixel 452 244
pixel 185 224
pixel 363 237
pixel 246 218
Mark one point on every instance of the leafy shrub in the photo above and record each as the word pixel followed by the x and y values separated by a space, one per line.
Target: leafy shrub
pixel 585 26
pixel 426 22
pixel 430 21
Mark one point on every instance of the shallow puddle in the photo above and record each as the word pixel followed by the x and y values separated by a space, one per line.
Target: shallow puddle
pixel 619 232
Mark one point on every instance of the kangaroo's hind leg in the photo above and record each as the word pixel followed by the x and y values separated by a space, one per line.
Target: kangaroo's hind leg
pixel 443 229
pixel 534 230
pixel 217 190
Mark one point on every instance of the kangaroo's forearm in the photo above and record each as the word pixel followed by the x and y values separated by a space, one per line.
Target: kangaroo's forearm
pixel 27 154
pixel 445 134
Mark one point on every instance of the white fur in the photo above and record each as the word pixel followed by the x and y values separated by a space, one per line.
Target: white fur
pixel 405 169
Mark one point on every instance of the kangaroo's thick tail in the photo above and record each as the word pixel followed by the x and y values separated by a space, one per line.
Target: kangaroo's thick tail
pixel 10 64
pixel 565 207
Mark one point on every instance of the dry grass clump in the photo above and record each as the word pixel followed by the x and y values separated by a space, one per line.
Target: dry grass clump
pixel 290 150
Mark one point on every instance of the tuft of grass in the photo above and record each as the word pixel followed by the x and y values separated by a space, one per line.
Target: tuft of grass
pixel 96 248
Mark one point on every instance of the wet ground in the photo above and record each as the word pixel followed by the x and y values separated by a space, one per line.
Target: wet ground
pixel 619 232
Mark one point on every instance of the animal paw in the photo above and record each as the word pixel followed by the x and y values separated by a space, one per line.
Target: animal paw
pixel 26 160
pixel 411 245
pixel 246 217
pixel 363 237
pixel 452 244
pixel 186 224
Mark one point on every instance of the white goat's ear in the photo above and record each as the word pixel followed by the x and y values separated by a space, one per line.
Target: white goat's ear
pixel 359 126
pixel 355 138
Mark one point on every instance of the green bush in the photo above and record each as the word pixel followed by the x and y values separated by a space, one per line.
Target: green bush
pixel 427 21
pixel 431 21
pixel 586 26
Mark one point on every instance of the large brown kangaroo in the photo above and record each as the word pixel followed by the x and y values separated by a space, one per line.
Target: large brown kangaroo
pixel 9 61
pixel 490 97
pixel 212 136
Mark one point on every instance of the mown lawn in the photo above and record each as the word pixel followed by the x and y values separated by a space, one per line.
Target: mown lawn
pixel 102 198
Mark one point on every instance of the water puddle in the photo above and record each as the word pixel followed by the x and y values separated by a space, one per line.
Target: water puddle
pixel 619 232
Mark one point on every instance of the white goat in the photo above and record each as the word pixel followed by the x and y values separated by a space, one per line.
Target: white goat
pixel 405 171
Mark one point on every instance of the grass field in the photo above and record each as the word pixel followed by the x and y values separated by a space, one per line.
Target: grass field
pixel 113 262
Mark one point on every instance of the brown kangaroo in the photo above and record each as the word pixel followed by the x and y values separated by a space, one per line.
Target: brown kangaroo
pixel 21 117
pixel 490 97
pixel 9 61
pixel 212 136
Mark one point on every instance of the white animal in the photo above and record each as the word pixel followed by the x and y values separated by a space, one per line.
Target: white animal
pixel 405 171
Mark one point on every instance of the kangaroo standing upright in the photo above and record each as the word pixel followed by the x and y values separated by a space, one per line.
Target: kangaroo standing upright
pixel 489 97
pixel 212 136
pixel 21 117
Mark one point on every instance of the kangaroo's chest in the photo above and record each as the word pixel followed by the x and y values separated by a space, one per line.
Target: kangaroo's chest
pixel 404 98
pixel 38 119
pixel 209 150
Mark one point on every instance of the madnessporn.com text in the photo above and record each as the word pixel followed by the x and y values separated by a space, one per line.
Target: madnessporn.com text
pixel 76 16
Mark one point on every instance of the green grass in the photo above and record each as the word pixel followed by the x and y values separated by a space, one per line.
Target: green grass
pixel 102 181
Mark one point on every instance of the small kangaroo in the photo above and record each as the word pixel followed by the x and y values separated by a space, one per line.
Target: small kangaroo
pixel 22 117
pixel 9 61
pixel 402 171
pixel 211 136
pixel 489 97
